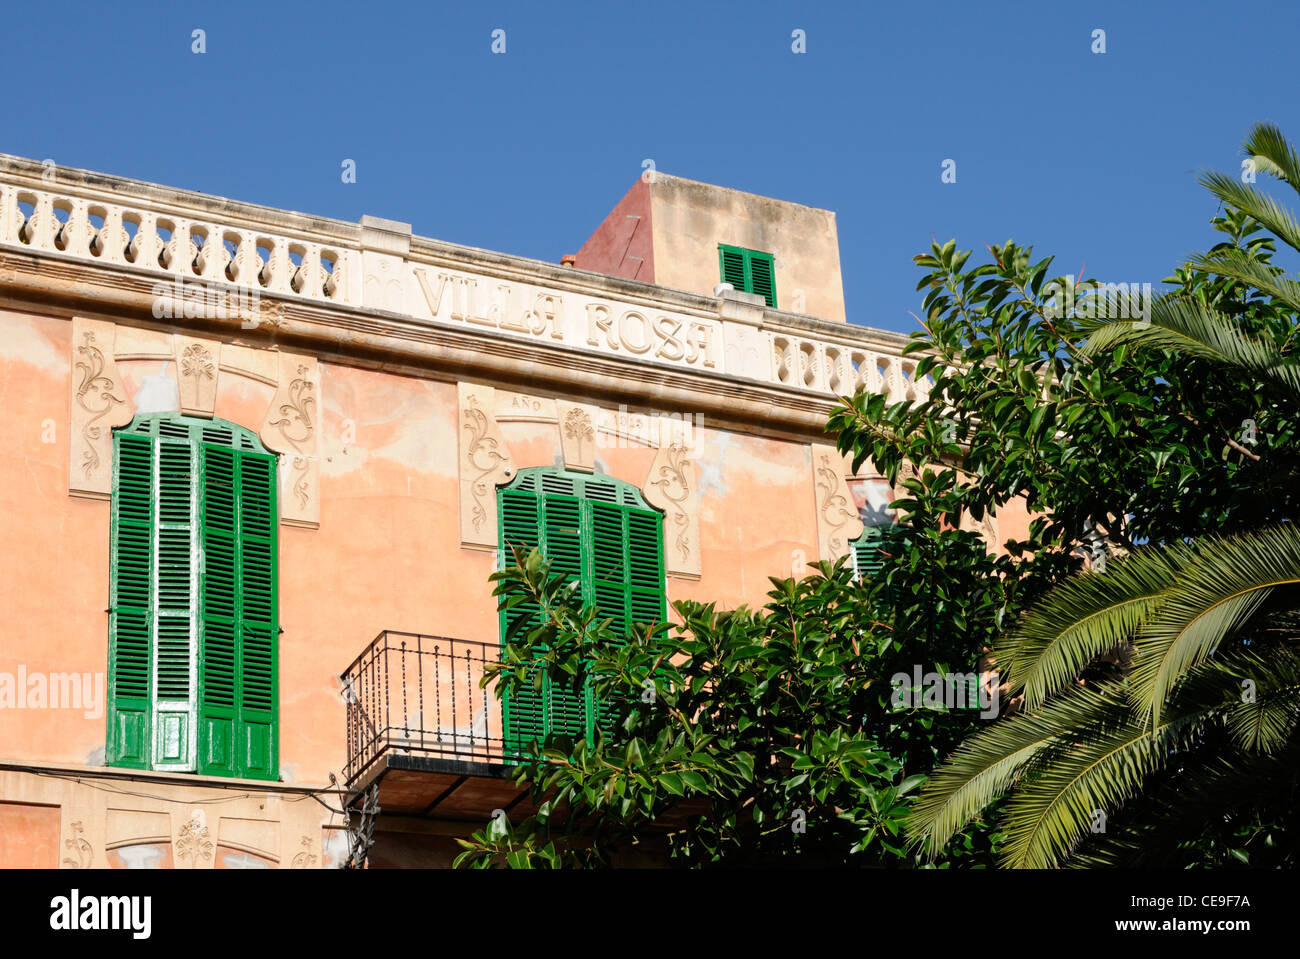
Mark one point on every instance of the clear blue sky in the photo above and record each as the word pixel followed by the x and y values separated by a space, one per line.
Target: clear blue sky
pixel 1089 156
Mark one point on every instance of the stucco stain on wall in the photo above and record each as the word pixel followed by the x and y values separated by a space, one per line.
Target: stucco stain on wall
pixel 142 856
pixel 155 394
pixel 24 341
pixel 406 422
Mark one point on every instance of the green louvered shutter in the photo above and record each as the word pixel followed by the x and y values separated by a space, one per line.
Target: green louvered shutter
pixel 194 626
pixel 257 749
pixel 130 659
pixel 628 574
pixel 174 630
pixel 762 277
pixel 219 589
pixel 875 546
pixel 869 552
pixel 568 708
pixel 732 267
pixel 609 577
pixel 587 529
pixel 239 628
pixel 523 714
pixel 749 271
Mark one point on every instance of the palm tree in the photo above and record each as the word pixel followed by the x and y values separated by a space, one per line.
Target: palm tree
pixel 1198 715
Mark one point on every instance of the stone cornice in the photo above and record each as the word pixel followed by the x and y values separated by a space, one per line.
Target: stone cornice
pixel 371 295
pixel 372 339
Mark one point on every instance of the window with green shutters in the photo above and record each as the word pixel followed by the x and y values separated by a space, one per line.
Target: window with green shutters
pixel 193 617
pixel 749 271
pixel 870 550
pixel 600 532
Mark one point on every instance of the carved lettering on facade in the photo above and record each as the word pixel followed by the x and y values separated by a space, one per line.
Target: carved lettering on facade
pixel 540 314
pixel 306 859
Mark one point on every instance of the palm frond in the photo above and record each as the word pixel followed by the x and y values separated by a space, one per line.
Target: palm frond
pixel 1261 689
pixel 1273 153
pixel 1276 218
pixel 1216 594
pixel 1166 825
pixel 1084 617
pixel 985 765
pixel 1241 266
pixel 1056 805
pixel 1182 325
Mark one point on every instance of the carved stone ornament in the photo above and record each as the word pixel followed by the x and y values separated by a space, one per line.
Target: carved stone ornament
pixel 198 363
pixel 292 428
pixel 99 403
pixel 670 486
pixel 79 847
pixel 484 463
pixel 194 846
pixel 306 859
pixel 577 436
pixel 838 523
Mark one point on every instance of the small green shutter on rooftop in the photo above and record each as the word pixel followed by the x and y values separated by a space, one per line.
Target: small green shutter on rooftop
pixel 762 279
pixel 749 271
pixel 733 267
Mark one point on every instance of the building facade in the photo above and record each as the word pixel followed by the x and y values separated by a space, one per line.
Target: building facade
pixel 260 465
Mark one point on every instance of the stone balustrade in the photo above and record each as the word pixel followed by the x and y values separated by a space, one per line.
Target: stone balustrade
pixel 194 238
pixel 102 228
pixel 842 369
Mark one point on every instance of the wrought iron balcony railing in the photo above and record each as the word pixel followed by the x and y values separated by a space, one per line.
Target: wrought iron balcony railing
pixel 421 695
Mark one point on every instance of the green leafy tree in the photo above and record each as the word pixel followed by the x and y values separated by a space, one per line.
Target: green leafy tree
pixel 751 737
pixel 1161 693
pixel 1164 432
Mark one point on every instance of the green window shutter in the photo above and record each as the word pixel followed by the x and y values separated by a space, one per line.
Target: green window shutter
pixel 523 718
pixel 731 262
pixel 257 750
pixel 194 625
pixel 875 546
pixel 567 707
pixel 869 552
pixel 749 271
pixel 608 587
pixel 239 624
pixel 130 646
pixel 174 633
pixel 600 532
pixel 219 591
pixel 762 277
pixel 628 575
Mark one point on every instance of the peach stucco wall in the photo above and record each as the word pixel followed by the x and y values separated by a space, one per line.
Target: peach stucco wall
pixel 386 554
pixel 29 836
pixel 691 219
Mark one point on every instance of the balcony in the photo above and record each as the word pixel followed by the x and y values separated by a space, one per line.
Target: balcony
pixel 422 728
